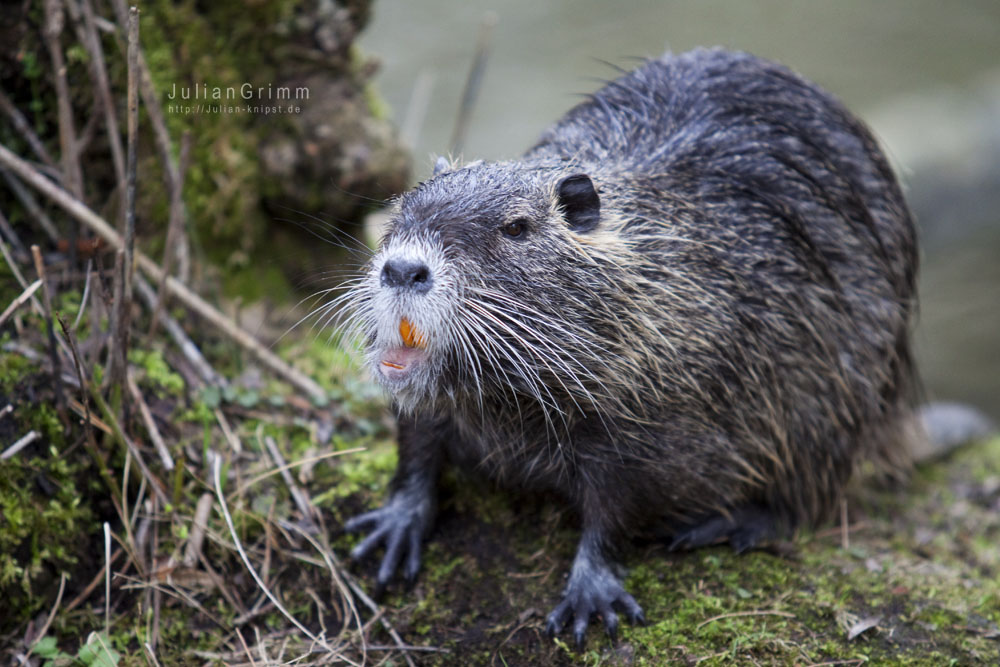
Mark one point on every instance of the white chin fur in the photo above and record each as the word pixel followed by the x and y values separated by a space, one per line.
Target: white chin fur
pixel 409 374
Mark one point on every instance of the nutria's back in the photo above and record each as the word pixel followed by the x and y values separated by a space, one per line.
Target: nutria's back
pixel 686 308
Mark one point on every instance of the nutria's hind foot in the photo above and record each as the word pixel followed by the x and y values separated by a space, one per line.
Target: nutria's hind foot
pixel 744 528
pixel 400 525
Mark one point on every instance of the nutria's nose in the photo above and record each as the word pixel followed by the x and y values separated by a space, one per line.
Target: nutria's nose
pixel 413 276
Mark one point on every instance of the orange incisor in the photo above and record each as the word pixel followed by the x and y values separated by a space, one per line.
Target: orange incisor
pixel 410 335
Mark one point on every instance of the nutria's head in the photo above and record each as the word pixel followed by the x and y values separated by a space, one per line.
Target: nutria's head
pixel 483 284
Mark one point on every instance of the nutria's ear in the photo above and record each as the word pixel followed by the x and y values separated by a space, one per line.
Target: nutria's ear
pixel 441 165
pixel 580 203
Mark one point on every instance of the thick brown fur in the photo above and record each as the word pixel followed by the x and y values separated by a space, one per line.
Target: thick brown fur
pixel 721 345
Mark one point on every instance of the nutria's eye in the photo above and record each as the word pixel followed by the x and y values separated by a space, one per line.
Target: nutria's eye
pixel 516 228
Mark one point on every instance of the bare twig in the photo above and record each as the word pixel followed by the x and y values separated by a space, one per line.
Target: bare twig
pixel 82 213
pixel 52 614
pixel 472 84
pixel 127 443
pixel 94 583
pixel 147 419
pixel 183 341
pixel 385 624
pixel 173 169
pixel 416 110
pixel 86 293
pixel 24 130
pixel 300 497
pixel 845 533
pixel 738 614
pixel 72 175
pixel 30 205
pixel 107 578
pixel 84 16
pixel 120 322
pixel 227 431
pixel 6 229
pixel 50 334
pixel 176 242
pixel 23 442
pixel 19 301
pixel 270 473
pixel 199 524
pixel 217 468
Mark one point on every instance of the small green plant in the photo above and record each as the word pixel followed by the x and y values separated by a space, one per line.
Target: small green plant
pixel 95 652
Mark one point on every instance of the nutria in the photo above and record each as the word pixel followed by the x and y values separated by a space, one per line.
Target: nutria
pixel 686 309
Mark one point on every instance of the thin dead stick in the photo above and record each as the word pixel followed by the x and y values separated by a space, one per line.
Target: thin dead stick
pixel 152 654
pixel 52 614
pixel 217 468
pixel 126 441
pixel 82 213
pixel 50 334
pixel 133 139
pixel 845 533
pixel 737 614
pixel 270 473
pixel 31 205
pixel 24 130
pixel 374 608
pixel 107 578
pixel 20 300
pixel 72 174
pixel 227 431
pixel 176 331
pixel 176 242
pixel 120 323
pixel 86 293
pixel 83 15
pixel 6 229
pixel 94 583
pixel 23 442
pixel 473 83
pixel 199 524
pixel 332 565
pixel 306 508
pixel 173 169
pixel 147 419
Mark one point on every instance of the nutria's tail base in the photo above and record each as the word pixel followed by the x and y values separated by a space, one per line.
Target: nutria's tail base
pixel 949 426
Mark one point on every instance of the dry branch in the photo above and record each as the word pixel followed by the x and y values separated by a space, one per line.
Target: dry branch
pixel 21 443
pixel 19 301
pixel 31 206
pixel 23 128
pixel 81 212
pixel 50 335
pixel 72 174
pixel 147 419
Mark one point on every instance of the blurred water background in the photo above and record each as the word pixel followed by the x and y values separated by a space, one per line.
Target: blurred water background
pixel 924 74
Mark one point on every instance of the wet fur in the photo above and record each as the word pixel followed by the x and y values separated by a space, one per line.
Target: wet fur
pixel 730 340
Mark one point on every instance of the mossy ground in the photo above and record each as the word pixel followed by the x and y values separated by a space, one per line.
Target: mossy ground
pixel 921 568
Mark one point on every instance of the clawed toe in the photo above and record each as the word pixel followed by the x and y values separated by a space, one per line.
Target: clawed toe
pixel 399 527
pixel 579 606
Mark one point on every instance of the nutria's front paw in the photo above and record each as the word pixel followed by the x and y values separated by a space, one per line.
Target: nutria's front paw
pixel 401 525
pixel 601 593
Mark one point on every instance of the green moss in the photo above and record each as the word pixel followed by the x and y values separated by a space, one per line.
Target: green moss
pixel 368 471
pixel 918 561
pixel 42 517
pixel 158 374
